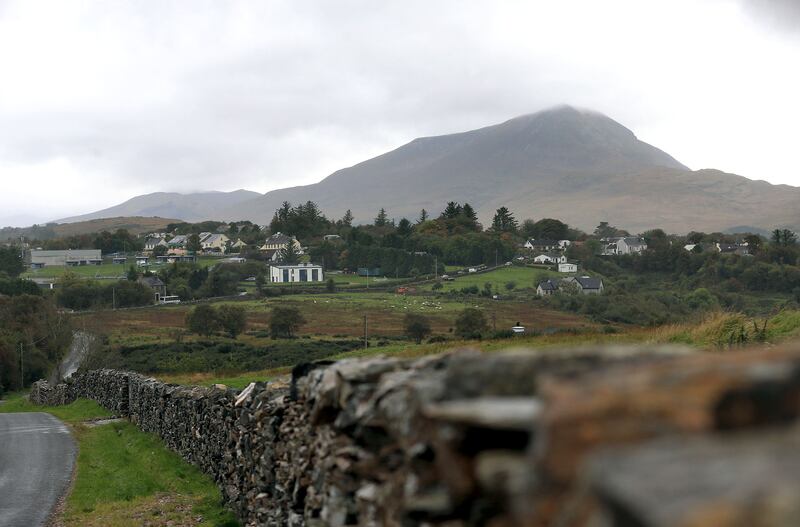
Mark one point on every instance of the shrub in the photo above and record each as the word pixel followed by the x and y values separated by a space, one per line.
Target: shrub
pixel 330 285
pixel 416 326
pixel 471 323
pixel 232 319
pixel 203 320
pixel 285 321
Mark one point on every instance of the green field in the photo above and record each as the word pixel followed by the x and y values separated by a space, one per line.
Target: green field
pixel 126 477
pixel 522 277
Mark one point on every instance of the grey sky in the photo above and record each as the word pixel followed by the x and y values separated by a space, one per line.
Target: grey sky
pixel 100 101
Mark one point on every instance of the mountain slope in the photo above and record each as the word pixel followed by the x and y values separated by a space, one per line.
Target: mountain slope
pixel 188 207
pixel 579 166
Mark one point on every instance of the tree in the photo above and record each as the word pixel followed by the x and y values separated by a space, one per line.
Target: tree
pixel 285 321
pixel 160 250
pixel 193 243
pixel 11 261
pixel 261 281
pixel 347 219
pixel 551 229
pixel 330 285
pixel 382 219
pixel 452 211
pixel 404 228
pixel 289 255
pixel 232 319
pixel 423 216
pixel 203 320
pixel 604 230
pixel 416 326
pixel 471 323
pixel 133 275
pixel 504 221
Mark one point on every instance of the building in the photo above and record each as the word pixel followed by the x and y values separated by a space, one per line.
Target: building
pixel 543 245
pixel 142 261
pixel 215 243
pixel 179 241
pixel 547 288
pixel 71 258
pixel 567 268
pixel 239 245
pixel 158 287
pixel 279 241
pixel 550 259
pixel 151 243
pixel 624 245
pixel 369 271
pixel 284 274
pixel 586 285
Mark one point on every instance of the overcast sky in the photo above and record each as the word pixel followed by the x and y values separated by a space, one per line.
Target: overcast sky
pixel 101 101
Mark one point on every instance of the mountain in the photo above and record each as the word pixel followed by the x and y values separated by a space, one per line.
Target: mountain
pixel 188 207
pixel 134 225
pixel 579 166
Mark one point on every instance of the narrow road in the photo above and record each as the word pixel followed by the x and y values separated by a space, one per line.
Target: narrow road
pixel 37 454
pixel 81 342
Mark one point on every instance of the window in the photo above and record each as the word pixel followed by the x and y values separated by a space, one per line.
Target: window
pixel 285 275
pixel 303 275
pixel 315 275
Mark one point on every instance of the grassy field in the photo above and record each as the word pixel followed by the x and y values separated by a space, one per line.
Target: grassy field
pixel 522 278
pixel 338 314
pixel 127 478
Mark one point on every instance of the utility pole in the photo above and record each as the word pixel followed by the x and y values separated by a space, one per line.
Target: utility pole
pixel 113 298
pixel 496 261
pixel 436 268
pixel 366 340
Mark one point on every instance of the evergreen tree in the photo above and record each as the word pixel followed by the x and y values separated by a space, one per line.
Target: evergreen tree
pixel 423 216
pixel 289 255
pixel 382 220
pixel 504 221
pixel 347 219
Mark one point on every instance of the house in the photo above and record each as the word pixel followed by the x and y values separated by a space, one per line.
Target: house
pixel 564 244
pixel 542 245
pixel 179 241
pixel 239 245
pixel 733 248
pixel 624 245
pixel 567 268
pixel 280 241
pixel 158 287
pixel 331 237
pixel 71 258
pixel 215 243
pixel 151 243
pixel 586 285
pixel 142 261
pixel 304 272
pixel 550 259
pixel 119 260
pixel 271 255
pixel 547 288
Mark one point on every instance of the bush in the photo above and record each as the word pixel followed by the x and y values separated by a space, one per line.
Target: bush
pixel 232 319
pixel 471 324
pixel 416 326
pixel 285 321
pixel 437 339
pixel 203 320
pixel 330 285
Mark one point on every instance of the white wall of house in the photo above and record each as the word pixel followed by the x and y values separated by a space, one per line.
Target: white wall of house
pixel 281 274
pixel 567 268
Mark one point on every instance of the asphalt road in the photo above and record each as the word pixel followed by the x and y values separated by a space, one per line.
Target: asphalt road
pixel 37 454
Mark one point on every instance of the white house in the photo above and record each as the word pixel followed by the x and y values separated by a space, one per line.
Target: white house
pixel 179 241
pixel 624 245
pixel 547 288
pixel 543 245
pixel 550 259
pixel 567 268
pixel 304 272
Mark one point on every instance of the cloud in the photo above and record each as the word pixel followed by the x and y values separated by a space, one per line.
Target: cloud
pixel 101 101
pixel 779 14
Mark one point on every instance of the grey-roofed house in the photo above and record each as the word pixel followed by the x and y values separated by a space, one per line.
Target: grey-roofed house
pixel 151 243
pixel 69 257
pixel 624 245
pixel 280 241
pixel 547 288
pixel 159 288
pixel 586 285
pixel 179 241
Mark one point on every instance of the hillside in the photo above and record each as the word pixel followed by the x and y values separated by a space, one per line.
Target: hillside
pixel 576 165
pixel 135 225
pixel 188 207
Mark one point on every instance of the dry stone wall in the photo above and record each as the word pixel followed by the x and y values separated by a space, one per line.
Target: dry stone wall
pixel 636 437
